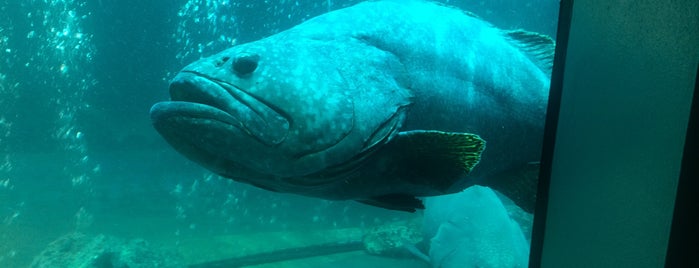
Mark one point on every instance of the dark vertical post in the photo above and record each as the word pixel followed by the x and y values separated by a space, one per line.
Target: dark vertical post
pixel 684 238
pixel 552 112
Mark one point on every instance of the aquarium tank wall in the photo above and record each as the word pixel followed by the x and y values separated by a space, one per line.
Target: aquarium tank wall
pixel 89 179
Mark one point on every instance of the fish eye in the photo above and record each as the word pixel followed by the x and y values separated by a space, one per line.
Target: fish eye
pixel 245 64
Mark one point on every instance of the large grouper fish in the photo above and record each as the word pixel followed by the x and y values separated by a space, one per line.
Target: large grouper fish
pixel 381 102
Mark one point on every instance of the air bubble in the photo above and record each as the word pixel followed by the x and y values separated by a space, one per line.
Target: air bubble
pixel 63 69
pixel 5 183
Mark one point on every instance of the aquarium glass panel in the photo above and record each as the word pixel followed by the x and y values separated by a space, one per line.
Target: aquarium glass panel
pixel 272 133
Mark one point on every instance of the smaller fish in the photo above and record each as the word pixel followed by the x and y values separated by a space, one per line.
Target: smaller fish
pixel 472 229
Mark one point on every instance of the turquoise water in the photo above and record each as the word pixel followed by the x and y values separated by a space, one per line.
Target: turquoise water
pixel 78 153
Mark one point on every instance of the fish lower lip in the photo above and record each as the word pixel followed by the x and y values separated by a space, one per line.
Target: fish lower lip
pixel 170 109
pixel 246 112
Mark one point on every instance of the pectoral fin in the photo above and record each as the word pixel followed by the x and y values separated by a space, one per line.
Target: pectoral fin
pixel 430 158
pixel 422 163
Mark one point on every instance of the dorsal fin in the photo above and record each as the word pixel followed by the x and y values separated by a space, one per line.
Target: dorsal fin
pixel 538 47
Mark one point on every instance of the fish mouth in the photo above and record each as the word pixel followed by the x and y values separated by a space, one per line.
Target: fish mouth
pixel 195 96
